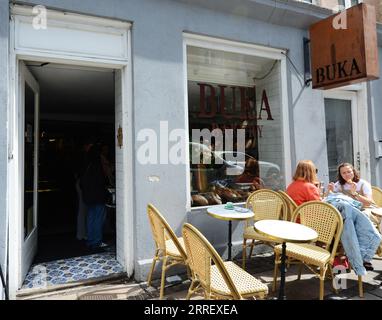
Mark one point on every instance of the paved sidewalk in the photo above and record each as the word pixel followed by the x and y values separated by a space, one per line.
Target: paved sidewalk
pixel 260 266
pixel 305 289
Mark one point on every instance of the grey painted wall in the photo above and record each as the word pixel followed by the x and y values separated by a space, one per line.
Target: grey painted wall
pixel 158 95
pixel 4 31
pixel 375 128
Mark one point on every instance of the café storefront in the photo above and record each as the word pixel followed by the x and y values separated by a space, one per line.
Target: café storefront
pixel 181 67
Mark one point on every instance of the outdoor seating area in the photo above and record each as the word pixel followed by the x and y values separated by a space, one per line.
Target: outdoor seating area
pixel 306 235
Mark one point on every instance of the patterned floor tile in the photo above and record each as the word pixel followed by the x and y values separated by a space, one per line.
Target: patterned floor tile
pixel 70 270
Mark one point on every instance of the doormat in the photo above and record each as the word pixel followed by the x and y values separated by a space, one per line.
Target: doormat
pixel 65 271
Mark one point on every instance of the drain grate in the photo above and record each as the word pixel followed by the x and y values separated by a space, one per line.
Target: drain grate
pixel 98 297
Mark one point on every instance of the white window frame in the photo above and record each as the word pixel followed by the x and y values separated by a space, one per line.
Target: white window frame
pixel 358 95
pixel 212 43
pixel 348 3
pixel 124 64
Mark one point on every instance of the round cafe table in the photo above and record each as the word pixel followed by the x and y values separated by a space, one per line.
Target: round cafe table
pixel 283 232
pixel 219 212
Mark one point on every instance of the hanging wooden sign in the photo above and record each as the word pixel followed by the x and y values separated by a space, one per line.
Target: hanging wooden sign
pixel 344 48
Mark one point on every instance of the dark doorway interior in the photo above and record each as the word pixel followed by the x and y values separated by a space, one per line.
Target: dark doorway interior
pixel 77 107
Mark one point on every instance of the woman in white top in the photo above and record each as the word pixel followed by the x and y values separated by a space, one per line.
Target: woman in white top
pixel 352 185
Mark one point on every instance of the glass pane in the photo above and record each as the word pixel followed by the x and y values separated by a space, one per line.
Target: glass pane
pixel 29 140
pixel 354 2
pixel 339 134
pixel 226 92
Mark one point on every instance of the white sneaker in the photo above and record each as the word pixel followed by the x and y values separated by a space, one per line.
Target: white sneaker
pixel 103 245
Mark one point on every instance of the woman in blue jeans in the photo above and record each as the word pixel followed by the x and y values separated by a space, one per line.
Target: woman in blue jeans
pixel 350 184
pixel 93 186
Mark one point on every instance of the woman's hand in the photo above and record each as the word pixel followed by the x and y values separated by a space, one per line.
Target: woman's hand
pixel 353 187
pixel 331 187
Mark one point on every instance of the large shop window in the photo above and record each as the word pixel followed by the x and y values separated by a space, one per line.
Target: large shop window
pixel 227 92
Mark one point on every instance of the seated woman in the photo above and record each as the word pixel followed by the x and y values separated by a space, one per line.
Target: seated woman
pixel 350 183
pixel 304 186
pixel 251 174
pixel 357 227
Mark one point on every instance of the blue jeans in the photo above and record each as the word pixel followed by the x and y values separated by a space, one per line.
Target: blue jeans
pixel 359 238
pixel 95 220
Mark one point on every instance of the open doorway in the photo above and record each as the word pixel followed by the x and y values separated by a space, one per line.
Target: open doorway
pixel 76 116
pixel 75 43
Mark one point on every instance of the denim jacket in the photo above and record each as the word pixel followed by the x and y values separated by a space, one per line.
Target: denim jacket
pixel 359 238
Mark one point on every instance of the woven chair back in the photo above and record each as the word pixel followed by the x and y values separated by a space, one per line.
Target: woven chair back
pixel 291 205
pixel 162 231
pixel 201 255
pixel 267 204
pixel 324 219
pixel 377 196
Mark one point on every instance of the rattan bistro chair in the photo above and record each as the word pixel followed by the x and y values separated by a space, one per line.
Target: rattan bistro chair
pixel 266 204
pixel 327 222
pixel 291 205
pixel 377 196
pixel 218 279
pixel 169 248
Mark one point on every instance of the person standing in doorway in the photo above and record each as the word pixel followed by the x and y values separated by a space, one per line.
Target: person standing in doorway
pixel 93 186
pixel 82 208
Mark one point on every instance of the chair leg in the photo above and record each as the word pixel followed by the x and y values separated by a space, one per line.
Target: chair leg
pixel 299 271
pixel 207 295
pixel 152 267
pixel 251 250
pixel 191 290
pixel 163 278
pixel 275 273
pixel 322 279
pixel 332 279
pixel 360 286
pixel 244 254
pixel 189 276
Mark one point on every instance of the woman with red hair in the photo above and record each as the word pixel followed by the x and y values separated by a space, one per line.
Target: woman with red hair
pixel 304 186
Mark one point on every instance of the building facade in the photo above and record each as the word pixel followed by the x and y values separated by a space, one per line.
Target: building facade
pixel 170 66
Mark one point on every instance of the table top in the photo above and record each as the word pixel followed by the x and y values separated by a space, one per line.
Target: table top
pixel 285 231
pixel 221 213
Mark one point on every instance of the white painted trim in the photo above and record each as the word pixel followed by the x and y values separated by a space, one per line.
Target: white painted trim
pixel 41 56
pixel 351 96
pixel 285 119
pixel 359 123
pixel 83 30
pixel 29 244
pixel 186 127
pixel 14 184
pixel 233 46
pixel 14 176
pixel 363 132
pixel 248 49
pixel 127 109
pixel 27 11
